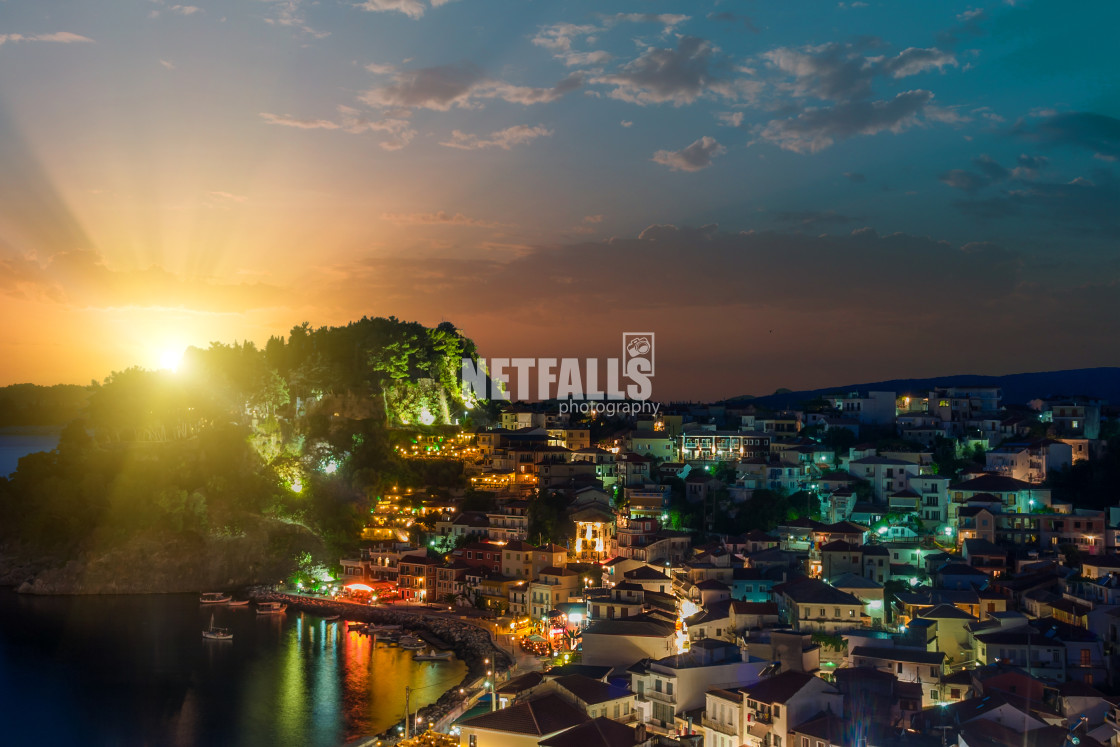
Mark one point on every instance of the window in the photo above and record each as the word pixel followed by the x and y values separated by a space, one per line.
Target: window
pixel 777 711
pixel 473 741
pixel 657 686
pixel 933 695
pixel 1085 657
pixel 668 688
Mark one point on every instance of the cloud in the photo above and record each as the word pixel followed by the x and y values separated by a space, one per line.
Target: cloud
pixel 167 64
pixel 440 218
pixel 559 36
pixel 841 72
pixel 289 13
pixel 1087 130
pixel 695 157
pixel 815 129
pixel 992 172
pixel 57 37
pixel 411 8
pixel 668 21
pixel 302 124
pixel 185 10
pixel 677 76
pixel 504 139
pixel 461 85
pixel 626 123
pixel 913 60
pixel 1084 205
pixel 593 219
pixel 399 131
pixel 969 24
pixel 964 180
pixel 730 119
pixel 585 59
pixel 855 177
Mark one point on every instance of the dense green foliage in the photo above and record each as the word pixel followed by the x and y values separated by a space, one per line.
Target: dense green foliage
pixel 295 432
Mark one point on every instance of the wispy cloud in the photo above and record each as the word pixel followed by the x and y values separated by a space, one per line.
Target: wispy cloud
pixel 695 157
pixel 504 139
pixel 439 218
pixel 57 37
pixel 398 129
pixel 679 76
pixel 462 85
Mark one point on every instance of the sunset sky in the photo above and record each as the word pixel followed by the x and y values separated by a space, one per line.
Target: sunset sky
pixel 791 194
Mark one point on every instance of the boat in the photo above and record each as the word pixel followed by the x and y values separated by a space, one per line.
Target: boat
pixel 434 655
pixel 239 603
pixel 411 642
pixel 331 619
pixel 214 597
pixel 270 608
pixel 383 628
pixel 217 634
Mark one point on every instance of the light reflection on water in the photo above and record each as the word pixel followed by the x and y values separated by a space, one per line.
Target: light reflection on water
pixel 135 670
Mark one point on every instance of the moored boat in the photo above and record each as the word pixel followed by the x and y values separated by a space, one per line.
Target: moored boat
pixel 270 608
pixel 434 655
pixel 217 634
pixel 331 618
pixel 239 603
pixel 411 642
pixel 214 597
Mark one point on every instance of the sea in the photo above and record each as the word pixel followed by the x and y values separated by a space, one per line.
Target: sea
pixel 17 442
pixel 135 670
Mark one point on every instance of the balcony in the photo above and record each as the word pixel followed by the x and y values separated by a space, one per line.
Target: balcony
pixel 722 728
pixel 762 717
pixel 660 697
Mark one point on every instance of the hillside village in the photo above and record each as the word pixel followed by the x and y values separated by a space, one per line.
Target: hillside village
pixel 870 569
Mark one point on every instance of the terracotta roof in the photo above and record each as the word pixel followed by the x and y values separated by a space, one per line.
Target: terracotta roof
pixel 521 683
pixel 591 691
pixel 778 689
pixel 538 716
pixel 599 732
pixel 946 612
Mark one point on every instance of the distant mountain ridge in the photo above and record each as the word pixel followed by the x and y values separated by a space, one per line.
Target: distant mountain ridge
pixel 1018 389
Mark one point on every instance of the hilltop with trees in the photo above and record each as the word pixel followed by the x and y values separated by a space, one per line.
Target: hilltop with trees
pixel 235 465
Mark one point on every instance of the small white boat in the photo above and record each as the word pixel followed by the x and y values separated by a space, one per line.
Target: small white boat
pixel 270 608
pixel 217 634
pixel 331 619
pixel 239 603
pixel 214 597
pixel 383 628
pixel 411 642
pixel 434 655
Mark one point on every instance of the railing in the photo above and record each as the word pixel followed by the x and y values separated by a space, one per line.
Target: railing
pixel 661 697
pixel 719 726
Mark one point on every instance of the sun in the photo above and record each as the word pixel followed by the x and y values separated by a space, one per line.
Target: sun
pixel 169 359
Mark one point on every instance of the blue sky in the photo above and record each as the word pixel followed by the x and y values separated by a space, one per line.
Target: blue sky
pixel 861 180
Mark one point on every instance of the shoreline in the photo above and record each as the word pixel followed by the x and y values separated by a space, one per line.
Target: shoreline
pixel 471 643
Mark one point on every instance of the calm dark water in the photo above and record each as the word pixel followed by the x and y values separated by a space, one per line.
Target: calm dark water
pixel 19 442
pixel 134 670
